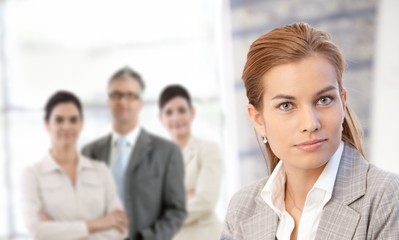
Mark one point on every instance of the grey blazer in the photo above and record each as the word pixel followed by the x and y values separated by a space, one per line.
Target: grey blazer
pixel 364 205
pixel 154 191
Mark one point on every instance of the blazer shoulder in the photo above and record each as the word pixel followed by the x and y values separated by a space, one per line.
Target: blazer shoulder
pixel 204 147
pixel 96 143
pixel 244 202
pixel 381 181
pixel 159 141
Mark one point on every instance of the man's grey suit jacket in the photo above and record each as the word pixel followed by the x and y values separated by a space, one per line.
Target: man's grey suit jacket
pixel 154 191
pixel 364 205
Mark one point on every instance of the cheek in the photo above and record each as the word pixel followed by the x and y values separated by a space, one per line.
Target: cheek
pixel 334 120
pixel 166 121
pixel 79 128
pixel 279 135
pixel 186 118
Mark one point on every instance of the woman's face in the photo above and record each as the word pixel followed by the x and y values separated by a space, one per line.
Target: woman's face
pixel 176 116
pixel 64 124
pixel 303 112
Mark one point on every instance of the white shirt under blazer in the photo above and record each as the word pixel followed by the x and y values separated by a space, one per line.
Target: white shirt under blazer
pixel 364 205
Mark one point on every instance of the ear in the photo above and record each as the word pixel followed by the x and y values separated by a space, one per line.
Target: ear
pixel 257 120
pixel 141 104
pixel 193 113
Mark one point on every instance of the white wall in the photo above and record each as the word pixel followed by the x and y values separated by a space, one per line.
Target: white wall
pixel 385 120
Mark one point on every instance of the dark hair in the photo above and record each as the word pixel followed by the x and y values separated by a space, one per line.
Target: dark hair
pixel 172 91
pixel 127 72
pixel 58 97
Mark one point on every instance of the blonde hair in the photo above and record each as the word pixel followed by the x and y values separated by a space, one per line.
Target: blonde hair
pixel 288 44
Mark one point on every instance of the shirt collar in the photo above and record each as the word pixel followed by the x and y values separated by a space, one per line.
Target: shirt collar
pixel 273 191
pixel 50 164
pixel 327 178
pixel 131 137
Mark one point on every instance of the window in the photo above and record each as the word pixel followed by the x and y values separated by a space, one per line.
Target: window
pixel 77 45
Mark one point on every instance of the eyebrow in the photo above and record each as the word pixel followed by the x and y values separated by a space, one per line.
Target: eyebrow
pixel 62 116
pixel 289 97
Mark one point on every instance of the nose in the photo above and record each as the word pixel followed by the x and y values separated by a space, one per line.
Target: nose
pixel 122 100
pixel 309 120
pixel 174 116
pixel 66 125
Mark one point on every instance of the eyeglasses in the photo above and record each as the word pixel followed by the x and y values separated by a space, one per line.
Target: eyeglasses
pixel 131 96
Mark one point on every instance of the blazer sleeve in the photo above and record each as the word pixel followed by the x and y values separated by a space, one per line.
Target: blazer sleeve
pixel 173 200
pixel 45 230
pixel 230 231
pixel 386 221
pixel 207 187
pixel 113 203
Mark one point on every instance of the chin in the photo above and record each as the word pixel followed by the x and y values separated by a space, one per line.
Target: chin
pixel 317 162
pixel 67 143
pixel 179 134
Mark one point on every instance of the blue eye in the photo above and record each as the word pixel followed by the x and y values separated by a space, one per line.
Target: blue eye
pixel 285 106
pixel 324 100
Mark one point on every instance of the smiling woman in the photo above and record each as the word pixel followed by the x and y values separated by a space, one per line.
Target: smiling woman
pixel 66 194
pixel 202 165
pixel 297 103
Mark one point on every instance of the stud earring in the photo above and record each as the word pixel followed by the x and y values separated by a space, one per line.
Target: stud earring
pixel 264 139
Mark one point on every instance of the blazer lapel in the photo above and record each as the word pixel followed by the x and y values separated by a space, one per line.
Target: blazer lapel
pixel 339 220
pixel 141 150
pixel 189 151
pixel 263 225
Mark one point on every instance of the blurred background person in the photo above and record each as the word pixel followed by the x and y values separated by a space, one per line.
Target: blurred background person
pixel 148 169
pixel 203 165
pixel 66 195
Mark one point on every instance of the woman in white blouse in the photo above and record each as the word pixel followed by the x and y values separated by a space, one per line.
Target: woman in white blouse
pixel 202 166
pixel 66 195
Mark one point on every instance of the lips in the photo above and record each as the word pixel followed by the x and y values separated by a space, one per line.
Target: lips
pixel 310 145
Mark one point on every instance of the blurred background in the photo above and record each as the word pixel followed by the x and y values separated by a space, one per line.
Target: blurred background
pixel 47 45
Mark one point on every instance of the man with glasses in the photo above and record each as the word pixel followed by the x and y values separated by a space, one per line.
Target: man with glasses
pixel 148 170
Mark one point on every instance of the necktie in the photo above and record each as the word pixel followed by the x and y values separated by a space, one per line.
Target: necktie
pixel 119 167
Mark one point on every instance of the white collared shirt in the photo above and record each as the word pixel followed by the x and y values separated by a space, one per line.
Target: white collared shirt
pixel 45 187
pixel 131 138
pixel 318 196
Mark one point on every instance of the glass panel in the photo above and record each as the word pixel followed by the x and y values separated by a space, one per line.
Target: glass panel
pixel 175 45
pixel 49 55
pixel 26 133
pixel 4 229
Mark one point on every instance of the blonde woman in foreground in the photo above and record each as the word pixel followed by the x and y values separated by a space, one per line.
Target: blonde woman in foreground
pixel 321 186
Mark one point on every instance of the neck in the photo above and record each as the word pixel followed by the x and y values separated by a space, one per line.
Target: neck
pixel 182 140
pixel 299 183
pixel 64 154
pixel 124 128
